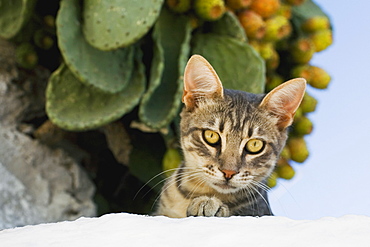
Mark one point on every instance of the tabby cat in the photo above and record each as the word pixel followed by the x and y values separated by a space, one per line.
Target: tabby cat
pixel 231 141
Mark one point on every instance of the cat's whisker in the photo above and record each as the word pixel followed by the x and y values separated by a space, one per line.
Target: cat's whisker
pixel 201 182
pixel 189 175
pixel 163 180
pixel 263 198
pixel 261 185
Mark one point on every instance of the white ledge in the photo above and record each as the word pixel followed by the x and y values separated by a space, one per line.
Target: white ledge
pixel 137 230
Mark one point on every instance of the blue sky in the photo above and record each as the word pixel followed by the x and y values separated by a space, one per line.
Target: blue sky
pixel 335 180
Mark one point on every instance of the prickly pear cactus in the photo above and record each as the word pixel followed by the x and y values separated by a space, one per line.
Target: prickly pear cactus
pixel 13 15
pixel 107 71
pixel 109 25
pixel 229 25
pixel 74 106
pixel 161 102
pixel 248 70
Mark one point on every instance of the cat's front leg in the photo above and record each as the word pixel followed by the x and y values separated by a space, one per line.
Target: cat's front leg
pixel 207 206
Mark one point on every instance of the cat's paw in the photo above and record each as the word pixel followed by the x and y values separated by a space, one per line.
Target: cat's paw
pixel 207 206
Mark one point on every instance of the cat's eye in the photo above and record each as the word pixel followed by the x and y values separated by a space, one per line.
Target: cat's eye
pixel 211 137
pixel 254 146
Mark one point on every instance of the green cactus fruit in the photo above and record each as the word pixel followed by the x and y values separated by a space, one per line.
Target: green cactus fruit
pixel 277 27
pixel 171 36
pixel 302 126
pixel 43 39
pixel 265 8
pixel 265 49
pixel 302 50
pixel 14 15
pixel 299 113
pixel 253 24
pixel 108 25
pixel 209 10
pixel 308 104
pixel 171 160
pixel 238 4
pixel 316 23
pixel 272 81
pixel 285 171
pixel 74 106
pixel 179 6
pixel 26 56
pixel 298 149
pixel 285 10
pixel 229 25
pixel 274 61
pixel 107 71
pixel 248 74
pixel 272 180
pixel 319 78
pixel 285 154
pixel 49 21
pixel 301 71
pixel 322 39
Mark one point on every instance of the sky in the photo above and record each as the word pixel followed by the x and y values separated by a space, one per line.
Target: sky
pixel 335 180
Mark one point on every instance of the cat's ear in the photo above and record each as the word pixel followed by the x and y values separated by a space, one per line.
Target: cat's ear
pixel 200 81
pixel 284 100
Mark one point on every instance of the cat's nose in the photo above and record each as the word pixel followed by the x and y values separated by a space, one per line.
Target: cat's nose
pixel 228 174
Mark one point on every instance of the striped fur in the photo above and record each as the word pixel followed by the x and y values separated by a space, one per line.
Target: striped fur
pixel 201 186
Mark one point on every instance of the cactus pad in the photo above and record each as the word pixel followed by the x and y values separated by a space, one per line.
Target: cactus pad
pixel 305 11
pixel 240 68
pixel 13 15
pixel 161 102
pixel 74 106
pixel 107 71
pixel 229 25
pixel 109 25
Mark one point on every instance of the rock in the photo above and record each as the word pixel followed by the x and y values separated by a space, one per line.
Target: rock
pixel 38 184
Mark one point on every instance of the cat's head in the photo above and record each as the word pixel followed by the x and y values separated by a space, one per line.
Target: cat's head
pixel 233 138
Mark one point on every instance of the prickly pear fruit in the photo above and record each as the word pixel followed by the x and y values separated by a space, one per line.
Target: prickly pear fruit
pixel 316 23
pixel 265 49
pixel 272 180
pixel 238 4
pixel 273 81
pixel 209 10
pixel 273 61
pixel 265 8
pixel 26 56
pixel 171 160
pixel 253 24
pixel 285 154
pixel 298 149
pixel 49 21
pixel 301 71
pixel 322 39
pixel 285 171
pixel 302 126
pixel 179 6
pixel 319 78
pixel 285 10
pixel 43 40
pixel 302 50
pixel 308 104
pixel 277 28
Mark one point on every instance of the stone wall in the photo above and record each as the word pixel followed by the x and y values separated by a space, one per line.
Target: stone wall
pixel 37 183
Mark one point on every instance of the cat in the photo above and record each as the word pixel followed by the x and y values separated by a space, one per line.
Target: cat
pixel 231 141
